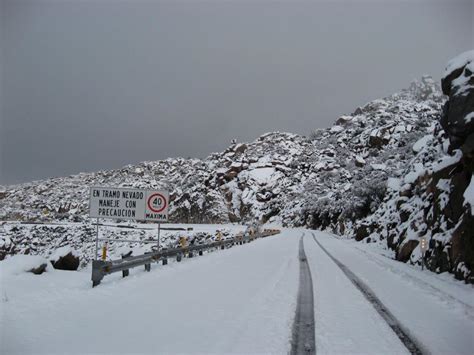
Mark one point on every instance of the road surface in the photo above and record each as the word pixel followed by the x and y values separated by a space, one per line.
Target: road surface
pixel 243 300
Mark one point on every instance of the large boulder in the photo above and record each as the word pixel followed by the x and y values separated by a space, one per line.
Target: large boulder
pixel 406 249
pixel 458 113
pixel 438 258
pixel 361 232
pixel 65 258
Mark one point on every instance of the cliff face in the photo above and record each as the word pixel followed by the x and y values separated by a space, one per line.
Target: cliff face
pixel 458 121
pixel 434 196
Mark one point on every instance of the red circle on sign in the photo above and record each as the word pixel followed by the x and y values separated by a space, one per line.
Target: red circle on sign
pixel 149 202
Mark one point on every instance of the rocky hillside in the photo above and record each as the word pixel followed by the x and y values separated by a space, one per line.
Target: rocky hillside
pixel 272 179
pixel 434 196
pixel 392 171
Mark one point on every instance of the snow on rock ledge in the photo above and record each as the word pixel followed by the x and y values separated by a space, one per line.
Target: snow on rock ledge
pixel 458 84
pixel 457 63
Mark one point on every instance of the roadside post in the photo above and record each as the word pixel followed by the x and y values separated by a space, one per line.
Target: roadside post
pixel 96 239
pixel 104 252
pixel 158 237
pixel 423 247
pixel 219 238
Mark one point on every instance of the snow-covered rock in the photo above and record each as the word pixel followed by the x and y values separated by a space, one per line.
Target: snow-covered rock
pixel 420 143
pixel 458 84
pixel 65 258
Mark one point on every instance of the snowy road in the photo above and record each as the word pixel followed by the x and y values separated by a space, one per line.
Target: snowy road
pixel 345 321
pixel 240 300
pixel 437 311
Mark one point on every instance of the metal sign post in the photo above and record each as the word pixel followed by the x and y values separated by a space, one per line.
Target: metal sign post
pixel 158 239
pixel 423 247
pixel 97 239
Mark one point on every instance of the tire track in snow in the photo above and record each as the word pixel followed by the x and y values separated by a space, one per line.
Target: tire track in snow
pixel 303 340
pixel 410 343
pixel 432 290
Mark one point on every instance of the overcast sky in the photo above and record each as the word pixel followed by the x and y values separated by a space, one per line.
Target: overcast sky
pixel 90 85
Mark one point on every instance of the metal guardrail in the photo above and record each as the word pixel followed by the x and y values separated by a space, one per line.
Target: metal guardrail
pixel 102 268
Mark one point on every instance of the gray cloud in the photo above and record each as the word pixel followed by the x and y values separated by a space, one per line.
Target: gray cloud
pixel 90 85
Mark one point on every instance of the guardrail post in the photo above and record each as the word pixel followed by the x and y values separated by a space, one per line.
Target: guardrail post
pixel 164 261
pixel 97 272
pixel 190 254
pixel 178 257
pixel 126 272
pixel 148 265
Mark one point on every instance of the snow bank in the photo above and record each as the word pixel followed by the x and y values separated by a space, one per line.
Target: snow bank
pixel 19 264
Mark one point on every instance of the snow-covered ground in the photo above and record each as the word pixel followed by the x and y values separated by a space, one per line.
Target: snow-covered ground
pixel 239 300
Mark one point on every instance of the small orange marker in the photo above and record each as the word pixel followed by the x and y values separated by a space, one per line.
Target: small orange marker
pixel 104 252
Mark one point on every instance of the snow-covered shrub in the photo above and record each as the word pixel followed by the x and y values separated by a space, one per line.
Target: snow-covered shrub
pixel 366 197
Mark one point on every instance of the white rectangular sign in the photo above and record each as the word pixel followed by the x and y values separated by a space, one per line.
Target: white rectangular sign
pixel 123 203
pixel 423 244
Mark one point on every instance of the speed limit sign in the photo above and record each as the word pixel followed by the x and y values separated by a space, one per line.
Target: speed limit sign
pixel 156 208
